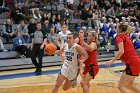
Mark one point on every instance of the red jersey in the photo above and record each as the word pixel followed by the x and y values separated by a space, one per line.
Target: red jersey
pixel 129 51
pixel 91 63
pixel 92 58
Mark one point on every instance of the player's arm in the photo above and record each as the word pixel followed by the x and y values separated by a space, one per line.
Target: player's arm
pixel 120 52
pixel 44 42
pixel 58 41
pixel 59 51
pixel 32 43
pixel 118 55
pixel 90 47
pixel 82 52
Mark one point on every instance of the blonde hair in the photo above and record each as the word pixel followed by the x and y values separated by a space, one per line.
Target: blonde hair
pixel 129 30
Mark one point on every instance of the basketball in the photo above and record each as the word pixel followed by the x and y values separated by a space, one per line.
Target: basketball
pixel 50 48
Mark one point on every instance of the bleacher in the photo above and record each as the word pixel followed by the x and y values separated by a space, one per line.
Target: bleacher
pixel 10 60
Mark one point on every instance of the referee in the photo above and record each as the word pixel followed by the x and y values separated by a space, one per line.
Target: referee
pixel 38 41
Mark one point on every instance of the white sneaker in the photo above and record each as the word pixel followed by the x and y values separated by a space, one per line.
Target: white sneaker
pixel 74 83
pixel 22 56
pixel 4 50
pixel 35 17
pixel 39 16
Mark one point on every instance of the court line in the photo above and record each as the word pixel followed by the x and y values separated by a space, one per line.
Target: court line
pixel 28 74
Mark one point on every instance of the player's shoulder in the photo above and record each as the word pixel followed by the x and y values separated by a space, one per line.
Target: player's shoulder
pixel 60 33
pixel 68 31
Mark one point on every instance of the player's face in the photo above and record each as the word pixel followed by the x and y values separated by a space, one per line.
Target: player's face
pixel 70 39
pixel 90 37
pixel 81 33
pixel 64 28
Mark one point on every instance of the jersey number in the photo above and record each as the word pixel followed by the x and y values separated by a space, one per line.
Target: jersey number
pixel 69 58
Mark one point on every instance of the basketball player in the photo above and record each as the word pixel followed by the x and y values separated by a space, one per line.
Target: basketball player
pixel 91 65
pixel 70 68
pixel 127 54
pixel 79 40
pixel 62 38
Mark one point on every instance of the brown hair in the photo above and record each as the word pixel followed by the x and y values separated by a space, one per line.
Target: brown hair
pixel 18 32
pixel 94 34
pixel 74 34
pixel 123 27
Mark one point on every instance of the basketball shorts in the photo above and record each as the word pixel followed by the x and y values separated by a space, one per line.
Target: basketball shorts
pixel 69 73
pixel 133 68
pixel 91 69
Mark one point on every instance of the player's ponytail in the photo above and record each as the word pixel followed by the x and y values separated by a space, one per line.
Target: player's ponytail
pixel 129 30
pixel 126 28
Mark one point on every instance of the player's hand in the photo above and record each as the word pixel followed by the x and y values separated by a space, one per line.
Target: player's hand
pixel 108 63
pixel 42 46
pixel 81 61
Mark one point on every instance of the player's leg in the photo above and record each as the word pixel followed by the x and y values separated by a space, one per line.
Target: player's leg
pixel 59 82
pixel 133 86
pixel 127 82
pixel 67 84
pixel 85 82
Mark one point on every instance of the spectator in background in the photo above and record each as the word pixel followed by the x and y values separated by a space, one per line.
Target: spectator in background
pixel 16 13
pixel 1 6
pixel 58 19
pixel 46 26
pixel 31 27
pixel 84 13
pixel 107 4
pixel 20 2
pixel 34 4
pixel 89 18
pixel 132 15
pixel 111 13
pixel 118 11
pixel 58 27
pixel 24 31
pixel 44 17
pixel 25 9
pixel 137 42
pixel 104 27
pixel 95 19
pixel 19 44
pixel 67 22
pixel 1 45
pixel 81 6
pixel 8 31
pixel 9 3
pixel 112 32
pixel 1 2
pixel 52 36
pixel 137 29
pixel 110 22
pixel 53 20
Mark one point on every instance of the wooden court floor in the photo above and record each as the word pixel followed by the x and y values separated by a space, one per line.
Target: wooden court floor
pixel 105 82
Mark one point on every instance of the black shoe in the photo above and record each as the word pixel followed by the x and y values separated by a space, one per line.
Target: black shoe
pixel 38 71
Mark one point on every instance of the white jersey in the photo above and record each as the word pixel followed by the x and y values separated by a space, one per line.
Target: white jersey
pixel 62 36
pixel 70 68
